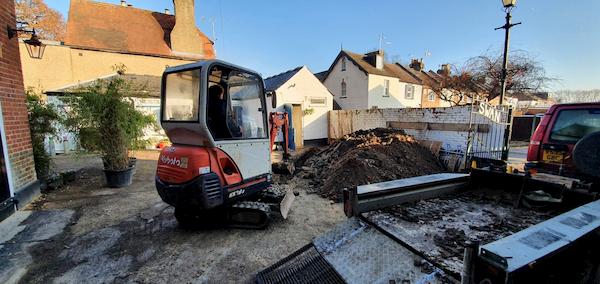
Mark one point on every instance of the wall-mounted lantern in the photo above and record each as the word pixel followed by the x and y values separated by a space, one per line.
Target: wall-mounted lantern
pixel 34 46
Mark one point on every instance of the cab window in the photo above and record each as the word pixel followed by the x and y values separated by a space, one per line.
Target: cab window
pixel 235 105
pixel 572 125
pixel 182 91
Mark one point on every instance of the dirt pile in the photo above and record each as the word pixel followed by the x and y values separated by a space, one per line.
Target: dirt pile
pixel 364 157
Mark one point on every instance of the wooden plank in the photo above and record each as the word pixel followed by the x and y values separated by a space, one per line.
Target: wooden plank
pixel 460 127
pixel 407 125
pixel 564 181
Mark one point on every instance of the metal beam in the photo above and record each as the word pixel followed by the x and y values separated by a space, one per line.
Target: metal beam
pixel 380 195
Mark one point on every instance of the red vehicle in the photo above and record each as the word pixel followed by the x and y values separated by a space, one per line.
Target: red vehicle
pixel 560 129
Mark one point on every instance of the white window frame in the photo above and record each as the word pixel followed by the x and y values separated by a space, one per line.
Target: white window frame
pixel 386 88
pixel 311 103
pixel 431 93
pixel 409 92
pixel 344 91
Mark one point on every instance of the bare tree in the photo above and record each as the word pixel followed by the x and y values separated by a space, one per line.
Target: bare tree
pixel 482 76
pixel 48 23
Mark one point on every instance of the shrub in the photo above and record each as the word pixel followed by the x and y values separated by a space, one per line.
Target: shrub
pixel 42 118
pixel 105 119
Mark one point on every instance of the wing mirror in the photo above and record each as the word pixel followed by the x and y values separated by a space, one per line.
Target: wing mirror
pixel 273 96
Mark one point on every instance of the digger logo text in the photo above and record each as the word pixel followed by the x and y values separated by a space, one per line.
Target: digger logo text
pixel 182 163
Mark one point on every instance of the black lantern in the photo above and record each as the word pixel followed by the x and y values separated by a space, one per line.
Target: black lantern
pixel 509 3
pixel 34 46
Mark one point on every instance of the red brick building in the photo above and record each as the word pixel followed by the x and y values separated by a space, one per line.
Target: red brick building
pixel 18 181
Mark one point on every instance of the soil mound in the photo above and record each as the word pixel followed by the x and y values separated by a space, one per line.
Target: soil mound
pixel 364 157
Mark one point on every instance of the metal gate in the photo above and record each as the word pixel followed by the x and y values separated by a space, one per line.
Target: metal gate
pixel 492 144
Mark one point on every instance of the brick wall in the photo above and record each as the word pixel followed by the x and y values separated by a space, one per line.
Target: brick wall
pixel 14 110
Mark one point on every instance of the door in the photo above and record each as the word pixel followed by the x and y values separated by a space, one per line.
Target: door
pixel 7 206
pixel 297 124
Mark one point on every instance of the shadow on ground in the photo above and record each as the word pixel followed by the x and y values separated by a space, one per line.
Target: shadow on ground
pixel 86 233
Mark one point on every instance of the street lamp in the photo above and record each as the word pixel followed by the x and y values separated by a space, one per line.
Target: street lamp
pixel 34 46
pixel 508 5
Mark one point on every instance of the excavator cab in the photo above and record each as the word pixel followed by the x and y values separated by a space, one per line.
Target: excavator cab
pixel 215 115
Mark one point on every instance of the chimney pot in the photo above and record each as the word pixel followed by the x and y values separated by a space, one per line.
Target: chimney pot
pixel 444 70
pixel 123 3
pixel 417 64
pixel 375 58
pixel 167 11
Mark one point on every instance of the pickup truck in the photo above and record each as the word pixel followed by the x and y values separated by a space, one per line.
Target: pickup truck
pixel 563 125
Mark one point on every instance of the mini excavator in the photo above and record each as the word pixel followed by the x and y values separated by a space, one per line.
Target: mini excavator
pixel 217 172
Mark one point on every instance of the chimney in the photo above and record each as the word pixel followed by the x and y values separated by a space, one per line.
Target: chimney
pixel 167 11
pixel 444 70
pixel 185 36
pixel 375 58
pixel 417 64
pixel 124 3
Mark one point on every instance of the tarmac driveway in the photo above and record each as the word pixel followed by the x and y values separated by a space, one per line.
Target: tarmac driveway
pixel 86 233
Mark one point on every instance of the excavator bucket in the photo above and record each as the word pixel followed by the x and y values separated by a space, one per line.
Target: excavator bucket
pixel 286 203
pixel 285 167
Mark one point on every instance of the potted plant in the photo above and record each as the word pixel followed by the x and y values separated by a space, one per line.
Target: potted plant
pixel 42 120
pixel 105 119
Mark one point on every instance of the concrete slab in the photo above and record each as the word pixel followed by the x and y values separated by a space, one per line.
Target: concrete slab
pixel 23 230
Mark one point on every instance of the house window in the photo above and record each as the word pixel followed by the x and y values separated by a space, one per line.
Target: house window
pixel 431 96
pixel 343 89
pixel 343 63
pixel 386 88
pixel 409 92
pixel 318 101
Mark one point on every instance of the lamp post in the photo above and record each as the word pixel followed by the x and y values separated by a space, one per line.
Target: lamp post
pixel 508 6
pixel 34 46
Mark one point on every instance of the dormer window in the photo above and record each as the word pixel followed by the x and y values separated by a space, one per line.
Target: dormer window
pixel 343 63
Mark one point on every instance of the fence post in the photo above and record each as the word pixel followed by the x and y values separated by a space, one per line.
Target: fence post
pixel 469 137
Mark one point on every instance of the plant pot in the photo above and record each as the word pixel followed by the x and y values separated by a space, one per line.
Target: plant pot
pixel 133 164
pixel 119 178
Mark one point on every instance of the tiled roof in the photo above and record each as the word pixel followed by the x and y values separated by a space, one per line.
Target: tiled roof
pixel 321 75
pixel 112 27
pixel 425 78
pixel 274 82
pixel 389 70
pixel 142 85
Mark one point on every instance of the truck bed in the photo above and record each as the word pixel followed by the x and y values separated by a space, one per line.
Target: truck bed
pixel 416 230
pixel 438 228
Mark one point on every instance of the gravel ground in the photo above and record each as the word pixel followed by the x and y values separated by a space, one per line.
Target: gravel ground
pixel 130 235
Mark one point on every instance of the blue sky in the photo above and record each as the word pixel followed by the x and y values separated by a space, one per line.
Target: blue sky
pixel 271 36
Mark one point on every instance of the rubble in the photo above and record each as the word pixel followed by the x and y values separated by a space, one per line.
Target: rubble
pixel 364 157
pixel 440 227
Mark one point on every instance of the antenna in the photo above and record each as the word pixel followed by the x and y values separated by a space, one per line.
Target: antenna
pixel 382 42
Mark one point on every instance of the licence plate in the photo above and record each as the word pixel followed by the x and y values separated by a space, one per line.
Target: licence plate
pixel 553 156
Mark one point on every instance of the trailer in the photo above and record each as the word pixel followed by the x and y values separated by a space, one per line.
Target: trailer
pixel 486 226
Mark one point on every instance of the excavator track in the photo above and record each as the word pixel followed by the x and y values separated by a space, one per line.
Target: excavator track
pixel 243 215
pixel 249 215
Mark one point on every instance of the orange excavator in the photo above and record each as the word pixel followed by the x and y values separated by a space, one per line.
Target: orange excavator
pixel 217 172
pixel 279 122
